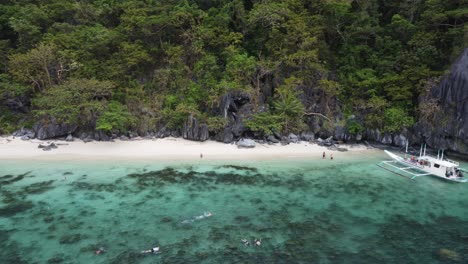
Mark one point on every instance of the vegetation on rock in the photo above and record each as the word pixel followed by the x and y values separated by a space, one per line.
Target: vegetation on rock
pixel 133 65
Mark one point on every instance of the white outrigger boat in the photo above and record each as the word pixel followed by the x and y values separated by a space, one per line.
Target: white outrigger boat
pixel 424 165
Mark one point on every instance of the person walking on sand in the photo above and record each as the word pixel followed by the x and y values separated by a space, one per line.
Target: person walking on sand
pixel 323 155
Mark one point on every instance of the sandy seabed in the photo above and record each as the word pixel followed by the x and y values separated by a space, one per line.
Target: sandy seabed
pixel 162 149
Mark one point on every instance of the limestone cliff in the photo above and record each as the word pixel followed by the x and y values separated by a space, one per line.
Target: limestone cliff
pixel 444 107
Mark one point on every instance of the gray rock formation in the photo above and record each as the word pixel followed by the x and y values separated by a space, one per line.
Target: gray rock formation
pixel 340 133
pixel 225 135
pixel 293 138
pixel 101 136
pixel 387 139
pixel 373 135
pixel 24 132
pixel 193 130
pixel 235 106
pixel 246 143
pixel 69 138
pixel 47 147
pixel 449 127
pixel 272 139
pixel 52 129
pixel 163 132
pixel 328 141
pixel 399 140
pixel 307 136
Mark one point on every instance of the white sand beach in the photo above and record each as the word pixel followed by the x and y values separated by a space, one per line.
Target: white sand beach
pixel 161 149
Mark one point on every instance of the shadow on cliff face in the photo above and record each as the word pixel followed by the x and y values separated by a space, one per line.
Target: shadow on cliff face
pixel 444 107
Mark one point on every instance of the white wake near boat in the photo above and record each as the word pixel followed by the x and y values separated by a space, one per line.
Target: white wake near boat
pixel 424 165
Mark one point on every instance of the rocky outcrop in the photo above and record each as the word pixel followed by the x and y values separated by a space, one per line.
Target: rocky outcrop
pixel 293 138
pixel 399 140
pixel 272 139
pixel 448 127
pixel 193 130
pixel 52 129
pixel 91 135
pixel 163 132
pixel 69 138
pixel 246 143
pixel 307 136
pixel 24 133
pixel 235 106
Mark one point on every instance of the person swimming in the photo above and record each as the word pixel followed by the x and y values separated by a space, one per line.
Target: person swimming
pixel 198 217
pixel 100 251
pixel 204 215
pixel 154 250
pixel 245 241
pixel 207 214
pixel 258 242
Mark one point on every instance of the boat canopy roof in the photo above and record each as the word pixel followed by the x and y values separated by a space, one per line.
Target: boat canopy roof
pixel 444 163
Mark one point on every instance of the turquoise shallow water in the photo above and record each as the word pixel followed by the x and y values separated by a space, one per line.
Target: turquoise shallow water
pixel 305 211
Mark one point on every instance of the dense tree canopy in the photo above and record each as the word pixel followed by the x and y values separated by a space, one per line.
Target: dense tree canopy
pixel 135 65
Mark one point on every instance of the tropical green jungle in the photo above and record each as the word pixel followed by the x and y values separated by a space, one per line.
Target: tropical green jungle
pixel 125 65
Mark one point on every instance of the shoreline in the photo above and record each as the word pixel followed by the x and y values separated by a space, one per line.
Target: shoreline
pixel 165 149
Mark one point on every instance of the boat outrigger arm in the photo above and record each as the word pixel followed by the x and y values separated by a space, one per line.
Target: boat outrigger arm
pixel 411 171
pixel 424 165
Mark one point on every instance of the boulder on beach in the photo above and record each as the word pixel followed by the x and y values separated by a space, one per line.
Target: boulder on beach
pixel 69 138
pixel 47 147
pixel 272 139
pixel 293 138
pixel 24 133
pixel 246 143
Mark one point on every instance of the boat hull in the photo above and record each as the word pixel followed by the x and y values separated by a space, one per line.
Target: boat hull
pixel 415 165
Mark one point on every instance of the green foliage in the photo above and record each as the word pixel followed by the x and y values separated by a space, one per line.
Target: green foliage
pixel 170 59
pixel 395 118
pixel 265 123
pixel 78 101
pixel 288 107
pixel 216 123
pixel 8 122
pixel 239 70
pixel 115 118
pixel 353 127
pixel 175 118
pixel 10 89
pixel 39 67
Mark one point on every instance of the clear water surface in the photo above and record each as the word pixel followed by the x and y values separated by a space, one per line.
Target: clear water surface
pixel 345 210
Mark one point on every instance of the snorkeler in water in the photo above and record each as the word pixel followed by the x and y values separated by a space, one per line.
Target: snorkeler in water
pixel 154 250
pixel 198 217
pixel 258 242
pixel 100 251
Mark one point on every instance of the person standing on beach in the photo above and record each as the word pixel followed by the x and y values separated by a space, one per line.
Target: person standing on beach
pixel 331 156
pixel 323 155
